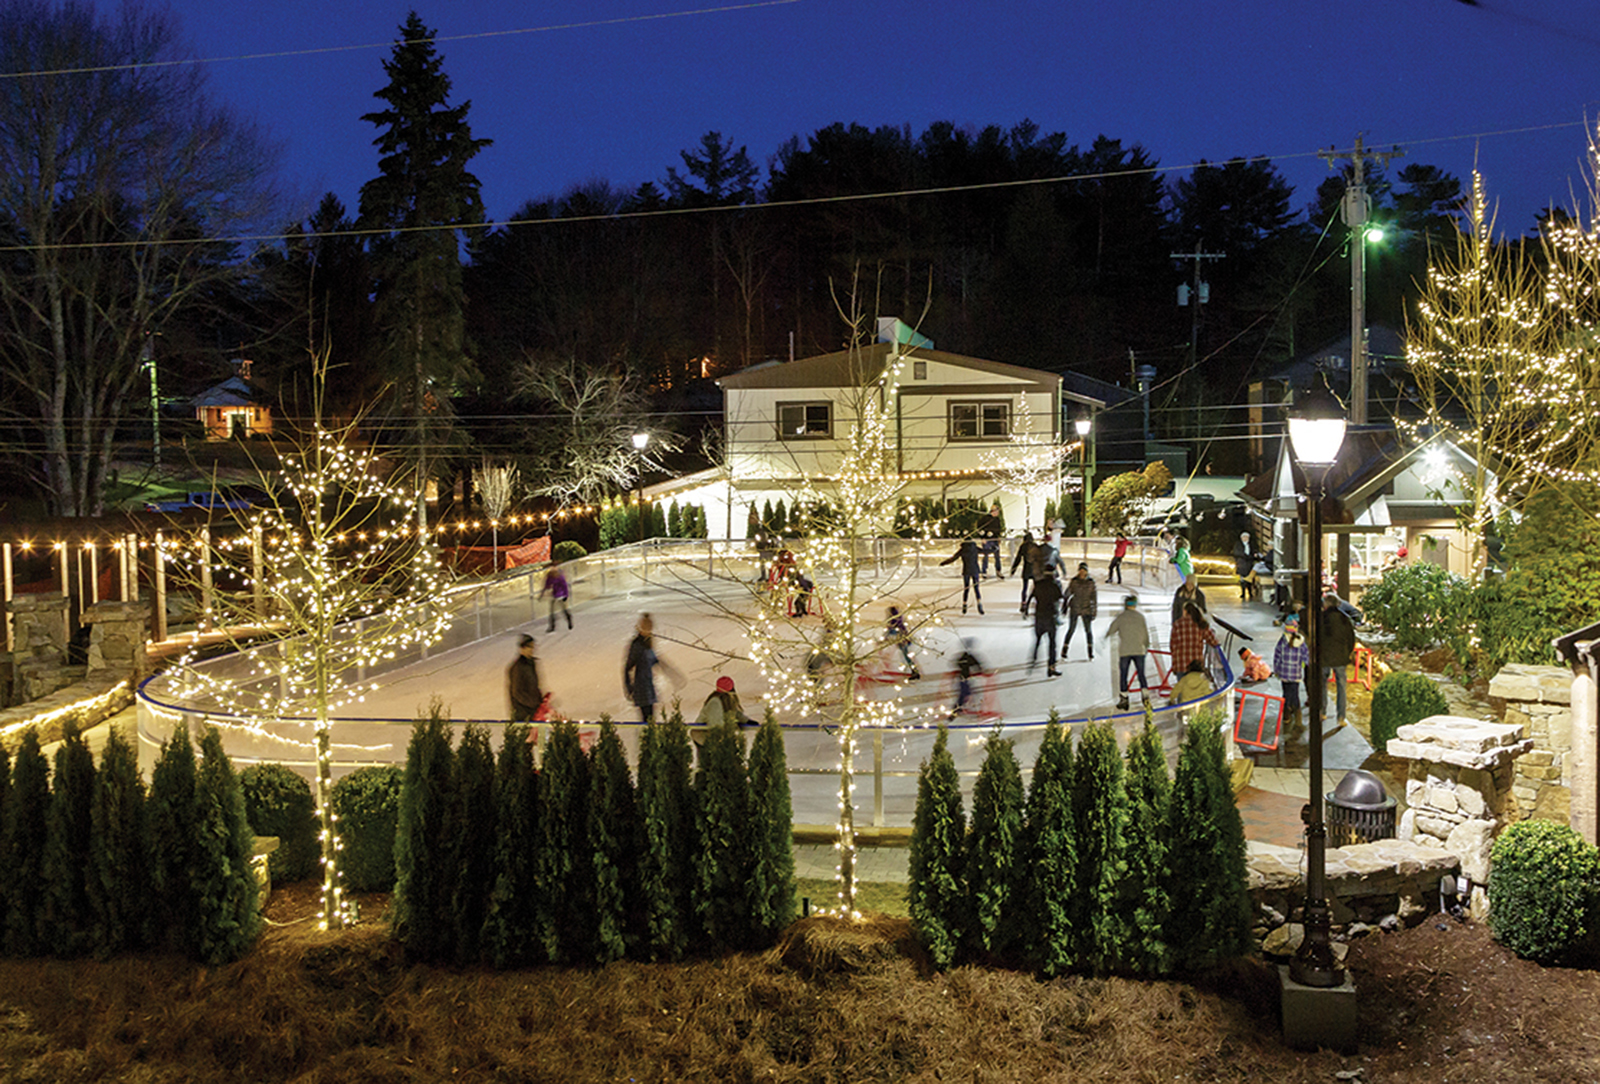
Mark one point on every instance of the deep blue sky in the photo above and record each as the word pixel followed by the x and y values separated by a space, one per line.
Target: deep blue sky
pixel 1282 78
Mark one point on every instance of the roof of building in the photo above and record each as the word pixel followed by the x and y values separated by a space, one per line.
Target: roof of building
pixel 852 368
pixel 232 392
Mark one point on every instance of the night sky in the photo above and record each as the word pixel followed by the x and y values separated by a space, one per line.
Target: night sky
pixel 1449 80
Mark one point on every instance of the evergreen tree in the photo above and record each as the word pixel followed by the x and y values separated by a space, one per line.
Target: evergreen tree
pixel 613 843
pixel 1099 824
pixel 566 920
pixel 769 525
pixel 675 522
pixel 26 832
pixel 658 521
pixel 472 835
pixel 1209 882
pixel 423 193
pixel 752 522
pixel 513 904
pixel 1052 856
pixel 227 897
pixel 994 857
pixel 937 893
pixel 1144 889
pixel 780 520
pixel 666 809
pixel 771 834
pixel 68 920
pixel 175 827
pixel 423 877
pixel 722 830
pixel 119 854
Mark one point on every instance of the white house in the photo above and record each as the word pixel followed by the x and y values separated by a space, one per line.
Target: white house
pixel 954 421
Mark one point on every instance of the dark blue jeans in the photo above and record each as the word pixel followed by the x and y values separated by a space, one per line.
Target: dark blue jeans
pixel 1124 664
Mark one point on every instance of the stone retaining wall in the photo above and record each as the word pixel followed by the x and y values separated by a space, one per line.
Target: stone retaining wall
pixel 1539 700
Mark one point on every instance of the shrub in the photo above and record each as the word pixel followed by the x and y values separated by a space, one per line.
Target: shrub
pixel 937 891
pixel 1208 881
pixel 1144 888
pixel 1401 699
pixel 1419 604
pixel 566 919
pixel 613 843
pixel 1052 858
pixel 567 550
pixel 1544 881
pixel 666 810
pixel 175 827
pixel 67 919
pixel 227 901
pixel 994 859
pixel 423 877
pixel 471 835
pixel 26 829
pixel 367 803
pixel 772 834
pixel 1099 824
pixel 722 855
pixel 278 802
pixel 513 904
pixel 119 856
pixel 1553 583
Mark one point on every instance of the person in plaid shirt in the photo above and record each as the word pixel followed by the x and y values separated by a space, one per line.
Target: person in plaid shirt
pixel 1290 659
pixel 1190 635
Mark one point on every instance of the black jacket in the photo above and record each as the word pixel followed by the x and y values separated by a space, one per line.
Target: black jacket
pixel 1047 599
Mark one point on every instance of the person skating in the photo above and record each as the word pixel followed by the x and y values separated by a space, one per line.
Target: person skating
pixel 638 670
pixel 898 635
pixel 1024 560
pixel 1118 552
pixel 967 554
pixel 1133 636
pixel 1082 604
pixel 1193 684
pixel 1244 563
pixel 1191 634
pixel 990 528
pixel 1046 616
pixel 527 694
pixel 722 706
pixel 1187 594
pixel 1183 559
pixel 556 586
pixel 1290 659
pixel 1336 644
pixel 967 667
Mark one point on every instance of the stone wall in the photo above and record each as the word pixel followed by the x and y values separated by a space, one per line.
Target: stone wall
pixel 117 635
pixel 1539 700
pixel 39 659
pixel 1459 782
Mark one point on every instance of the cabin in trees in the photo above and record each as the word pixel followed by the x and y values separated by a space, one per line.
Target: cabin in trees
pixel 234 408
pixel 955 424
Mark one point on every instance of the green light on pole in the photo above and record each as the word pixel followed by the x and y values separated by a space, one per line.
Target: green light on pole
pixel 1374 234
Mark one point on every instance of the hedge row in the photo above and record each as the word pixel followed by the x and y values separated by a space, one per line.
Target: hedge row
pixel 1104 866
pixel 90 863
pixel 575 862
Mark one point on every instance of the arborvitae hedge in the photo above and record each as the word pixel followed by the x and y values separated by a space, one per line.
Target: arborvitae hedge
pixel 175 827
pixel 993 850
pixel 675 521
pixel 772 834
pixel 424 878
pixel 937 893
pixel 1145 899
pixel 1099 819
pixel 1052 861
pixel 278 802
pixel 508 932
pixel 1208 884
pixel 472 832
pixel 226 893
pixel 666 810
pixel 67 922
pixel 119 855
pixel 613 842
pixel 566 920
pixel 26 831
pixel 722 855
pixel 367 805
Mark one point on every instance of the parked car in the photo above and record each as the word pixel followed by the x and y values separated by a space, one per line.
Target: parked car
pixel 205 499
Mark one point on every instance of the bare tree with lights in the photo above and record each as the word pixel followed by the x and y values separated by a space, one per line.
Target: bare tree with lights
pixel 345 581
pixel 1027 462
pixel 496 486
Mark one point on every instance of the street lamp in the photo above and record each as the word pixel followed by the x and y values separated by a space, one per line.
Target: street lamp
pixel 1083 424
pixel 639 441
pixel 1316 432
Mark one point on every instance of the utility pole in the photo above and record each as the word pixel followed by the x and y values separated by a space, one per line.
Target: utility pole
pixel 148 357
pixel 1200 294
pixel 1357 206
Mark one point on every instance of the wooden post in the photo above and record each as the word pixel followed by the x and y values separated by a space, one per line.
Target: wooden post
pixel 6 559
pixel 160 569
pixel 66 594
pixel 133 568
pixel 93 593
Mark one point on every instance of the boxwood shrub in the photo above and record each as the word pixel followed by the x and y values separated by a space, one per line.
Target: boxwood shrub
pixel 367 803
pixel 278 802
pixel 1544 881
pixel 1401 699
pixel 567 550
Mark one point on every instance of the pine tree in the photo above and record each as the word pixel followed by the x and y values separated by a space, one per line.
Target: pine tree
pixel 566 921
pixel 1099 823
pixel 752 522
pixel 613 843
pixel 472 834
pixel 1145 899
pixel 722 857
pixel 119 855
pixel 771 834
pixel 68 921
pixel 26 831
pixel 1209 881
pixel 227 897
pixel 994 858
pixel 175 827
pixel 658 521
pixel 769 525
pixel 780 520
pixel 423 193
pixel 666 810
pixel 937 893
pixel 1052 861
pixel 675 522
pixel 423 876
pixel 513 904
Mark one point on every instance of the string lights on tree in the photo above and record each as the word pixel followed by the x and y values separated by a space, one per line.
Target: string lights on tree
pixel 1028 463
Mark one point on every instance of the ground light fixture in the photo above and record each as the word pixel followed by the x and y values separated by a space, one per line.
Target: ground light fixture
pixel 1316 433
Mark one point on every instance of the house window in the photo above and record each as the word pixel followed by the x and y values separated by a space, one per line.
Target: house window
pixel 983 420
pixel 805 421
pixel 919 370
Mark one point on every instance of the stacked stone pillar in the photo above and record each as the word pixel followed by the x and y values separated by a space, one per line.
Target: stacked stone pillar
pixel 1459 789
pixel 1539 699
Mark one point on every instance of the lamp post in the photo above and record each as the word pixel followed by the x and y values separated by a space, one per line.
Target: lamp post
pixel 1316 432
pixel 639 442
pixel 1083 424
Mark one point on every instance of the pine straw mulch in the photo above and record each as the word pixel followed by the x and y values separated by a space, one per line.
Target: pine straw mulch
pixel 831 1002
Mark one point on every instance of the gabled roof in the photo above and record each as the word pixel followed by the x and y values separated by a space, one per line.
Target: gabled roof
pixel 232 392
pixel 1369 460
pixel 852 368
